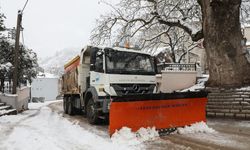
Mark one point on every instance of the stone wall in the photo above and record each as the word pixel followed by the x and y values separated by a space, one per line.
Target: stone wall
pixel 229 103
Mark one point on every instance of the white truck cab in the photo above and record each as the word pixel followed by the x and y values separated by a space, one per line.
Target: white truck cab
pixel 120 71
pixel 106 72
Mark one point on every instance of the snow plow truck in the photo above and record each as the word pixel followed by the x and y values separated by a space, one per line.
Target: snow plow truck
pixel 119 85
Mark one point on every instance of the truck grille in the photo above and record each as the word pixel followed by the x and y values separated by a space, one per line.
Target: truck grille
pixel 129 89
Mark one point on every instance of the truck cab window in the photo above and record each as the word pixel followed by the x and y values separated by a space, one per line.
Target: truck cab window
pixel 99 62
pixel 124 62
pixel 96 59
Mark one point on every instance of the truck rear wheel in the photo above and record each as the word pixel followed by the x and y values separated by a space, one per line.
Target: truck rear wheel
pixel 65 105
pixel 92 113
pixel 71 110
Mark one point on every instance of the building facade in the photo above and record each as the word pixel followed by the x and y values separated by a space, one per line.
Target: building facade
pixel 45 87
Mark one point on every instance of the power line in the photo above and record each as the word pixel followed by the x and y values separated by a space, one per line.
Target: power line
pixel 21 25
pixel 25 5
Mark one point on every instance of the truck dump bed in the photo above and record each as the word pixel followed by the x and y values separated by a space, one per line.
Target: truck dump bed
pixel 70 77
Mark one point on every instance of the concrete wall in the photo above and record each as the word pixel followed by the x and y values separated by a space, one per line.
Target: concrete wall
pixel 229 103
pixel 18 101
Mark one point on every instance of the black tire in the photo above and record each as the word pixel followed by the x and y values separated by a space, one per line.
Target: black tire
pixel 65 105
pixel 92 113
pixel 71 110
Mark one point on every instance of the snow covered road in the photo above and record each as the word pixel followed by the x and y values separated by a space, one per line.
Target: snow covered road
pixel 40 129
pixel 45 126
pixel 230 134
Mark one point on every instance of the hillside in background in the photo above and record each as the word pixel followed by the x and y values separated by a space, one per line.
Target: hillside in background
pixel 54 64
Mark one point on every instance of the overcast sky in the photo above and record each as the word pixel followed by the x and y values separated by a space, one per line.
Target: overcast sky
pixel 52 25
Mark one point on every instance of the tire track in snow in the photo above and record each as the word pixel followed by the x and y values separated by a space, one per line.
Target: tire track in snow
pixel 100 130
pixel 12 126
pixel 25 125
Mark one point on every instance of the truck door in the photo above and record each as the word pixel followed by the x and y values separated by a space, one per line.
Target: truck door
pixel 96 67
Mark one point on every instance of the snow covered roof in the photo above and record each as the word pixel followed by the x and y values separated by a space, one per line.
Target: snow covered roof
pixel 119 49
pixel 248 43
pixel 46 75
pixel 129 50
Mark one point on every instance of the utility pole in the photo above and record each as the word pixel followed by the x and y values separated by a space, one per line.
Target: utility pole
pixel 16 52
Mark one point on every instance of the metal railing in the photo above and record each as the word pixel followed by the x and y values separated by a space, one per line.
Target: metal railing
pixel 6 88
pixel 176 67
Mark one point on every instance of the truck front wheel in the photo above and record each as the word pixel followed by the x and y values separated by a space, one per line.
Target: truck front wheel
pixel 92 113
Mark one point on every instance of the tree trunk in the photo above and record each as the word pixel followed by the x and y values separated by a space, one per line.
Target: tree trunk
pixel 2 84
pixel 228 66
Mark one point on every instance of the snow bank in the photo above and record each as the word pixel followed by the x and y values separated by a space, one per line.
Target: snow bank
pixel 46 75
pixel 200 127
pixel 127 137
pixel 146 134
pixel 245 88
pixel 200 84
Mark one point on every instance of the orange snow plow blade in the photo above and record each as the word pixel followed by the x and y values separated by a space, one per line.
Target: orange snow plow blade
pixel 162 111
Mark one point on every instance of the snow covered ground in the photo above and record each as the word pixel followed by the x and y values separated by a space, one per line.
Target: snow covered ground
pixel 200 127
pixel 41 128
pixel 45 127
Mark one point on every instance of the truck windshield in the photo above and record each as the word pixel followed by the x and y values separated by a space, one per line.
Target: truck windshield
pixel 120 62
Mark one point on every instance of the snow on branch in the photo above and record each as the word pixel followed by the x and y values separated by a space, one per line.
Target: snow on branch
pixel 146 22
pixel 5 66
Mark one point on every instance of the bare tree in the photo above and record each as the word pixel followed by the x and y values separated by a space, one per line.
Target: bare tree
pixel 138 21
pixel 217 21
pixel 176 42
